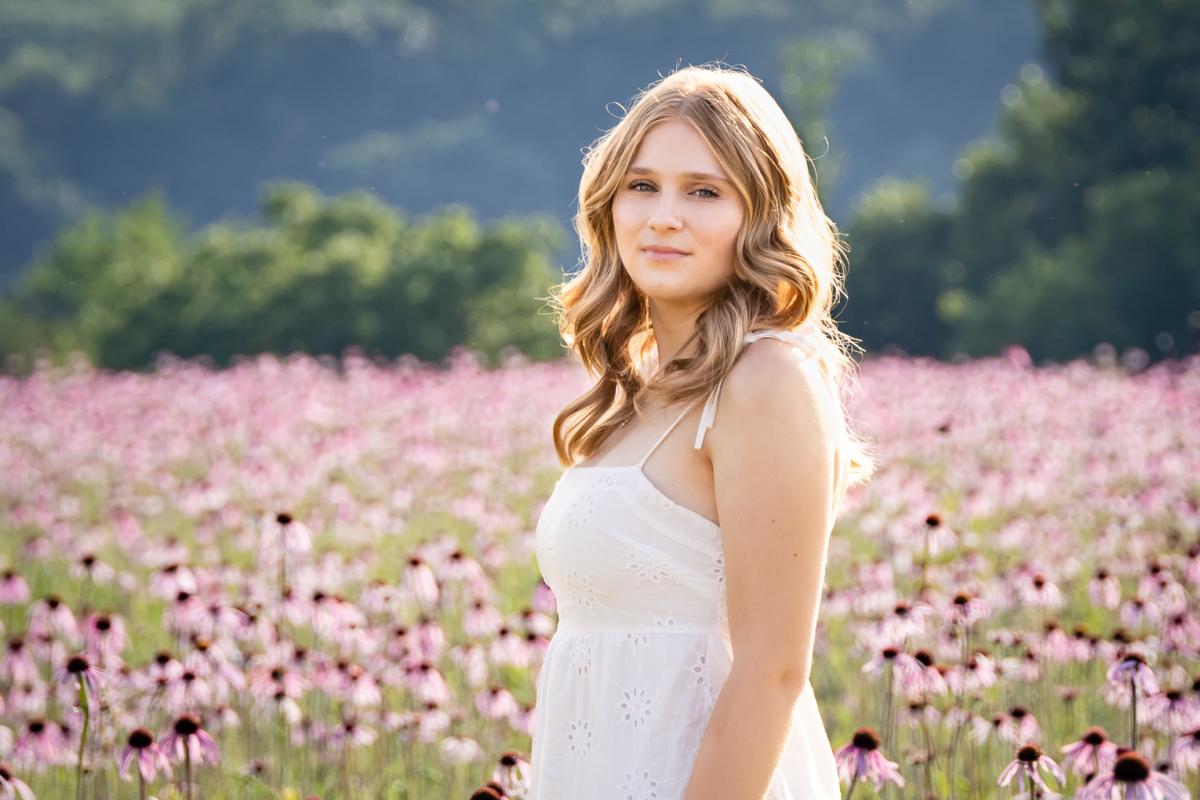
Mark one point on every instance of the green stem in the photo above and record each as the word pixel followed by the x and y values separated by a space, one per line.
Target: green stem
pixel 187 765
pixel 84 707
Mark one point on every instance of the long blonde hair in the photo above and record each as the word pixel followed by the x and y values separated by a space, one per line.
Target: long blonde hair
pixel 788 268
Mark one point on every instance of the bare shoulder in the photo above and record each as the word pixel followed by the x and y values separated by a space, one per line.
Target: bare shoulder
pixel 775 384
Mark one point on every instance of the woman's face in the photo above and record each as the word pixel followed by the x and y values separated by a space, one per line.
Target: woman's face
pixel 660 204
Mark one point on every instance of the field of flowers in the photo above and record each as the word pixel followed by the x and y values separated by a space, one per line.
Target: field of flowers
pixel 303 578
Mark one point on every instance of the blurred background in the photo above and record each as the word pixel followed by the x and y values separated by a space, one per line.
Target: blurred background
pixel 213 178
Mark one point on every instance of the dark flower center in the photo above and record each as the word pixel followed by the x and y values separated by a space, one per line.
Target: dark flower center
pixel 866 739
pixel 283 518
pixel 36 726
pixel 1018 712
pixel 187 725
pixel 1029 753
pixel 1131 767
pixel 77 665
pixel 103 623
pixel 1095 735
pixel 140 739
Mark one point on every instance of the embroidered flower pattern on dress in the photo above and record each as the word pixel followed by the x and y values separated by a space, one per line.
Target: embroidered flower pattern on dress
pixel 581 656
pixel 700 673
pixel 637 639
pixel 718 568
pixel 580 589
pixel 581 510
pixel 639 786
pixel 635 706
pixel 579 737
pixel 665 623
pixel 647 568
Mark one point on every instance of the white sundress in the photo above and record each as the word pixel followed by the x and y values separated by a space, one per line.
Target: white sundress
pixel 642 647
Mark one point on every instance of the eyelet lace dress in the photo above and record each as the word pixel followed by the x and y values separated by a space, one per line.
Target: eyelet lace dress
pixel 642 646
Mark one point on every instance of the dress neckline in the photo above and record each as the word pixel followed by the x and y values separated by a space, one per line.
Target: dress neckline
pixel 641 475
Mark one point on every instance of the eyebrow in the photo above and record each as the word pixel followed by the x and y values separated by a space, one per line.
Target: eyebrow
pixel 700 176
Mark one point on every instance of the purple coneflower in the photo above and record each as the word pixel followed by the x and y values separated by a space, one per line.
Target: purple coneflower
pixel 145 752
pixel 512 773
pixel 1133 666
pixel 1092 754
pixel 1132 778
pixel 1025 767
pixel 187 740
pixel 12 787
pixel 13 589
pixel 78 669
pixel 42 741
pixel 1185 751
pixel 861 759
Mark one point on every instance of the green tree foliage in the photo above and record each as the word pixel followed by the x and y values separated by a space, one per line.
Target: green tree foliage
pixel 318 276
pixel 1076 221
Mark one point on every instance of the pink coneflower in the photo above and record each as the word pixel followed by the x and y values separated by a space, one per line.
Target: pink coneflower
pixel 12 787
pixel 104 639
pixel 188 691
pixel 1132 667
pixel 1171 711
pixel 145 752
pixel 1185 751
pixel 43 741
pixel 459 749
pixel 1040 592
pixel 905 621
pixel 495 703
pixel 899 660
pixel 282 530
pixel 920 676
pixel 172 579
pixel 966 608
pixel 51 616
pixel 1104 590
pixel 512 773
pixel 13 589
pixel 1018 725
pixel 77 669
pixel 188 740
pixel 1025 768
pixel 17 663
pixel 861 759
pixel 352 733
pixel 1132 778
pixel 419 581
pixel 1092 754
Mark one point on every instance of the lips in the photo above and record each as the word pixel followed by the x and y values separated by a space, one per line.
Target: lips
pixel 664 250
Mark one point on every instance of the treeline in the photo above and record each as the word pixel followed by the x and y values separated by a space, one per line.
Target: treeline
pixel 316 275
pixel 1077 223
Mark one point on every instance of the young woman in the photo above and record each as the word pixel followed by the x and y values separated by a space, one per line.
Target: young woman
pixel 688 567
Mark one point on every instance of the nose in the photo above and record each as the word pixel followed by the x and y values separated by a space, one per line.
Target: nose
pixel 664 216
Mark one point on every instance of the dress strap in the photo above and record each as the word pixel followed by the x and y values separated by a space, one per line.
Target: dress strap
pixel 670 428
pixel 807 337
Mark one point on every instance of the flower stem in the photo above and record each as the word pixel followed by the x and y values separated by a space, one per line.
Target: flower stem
pixel 85 709
pixel 187 765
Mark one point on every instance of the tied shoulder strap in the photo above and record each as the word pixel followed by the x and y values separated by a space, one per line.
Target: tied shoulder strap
pixel 806 337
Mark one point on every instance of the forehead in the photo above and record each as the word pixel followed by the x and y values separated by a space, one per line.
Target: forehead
pixel 674 147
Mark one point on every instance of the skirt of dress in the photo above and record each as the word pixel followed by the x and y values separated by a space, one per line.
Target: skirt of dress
pixel 621 714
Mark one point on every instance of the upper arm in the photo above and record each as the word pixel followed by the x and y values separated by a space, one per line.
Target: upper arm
pixel 773 456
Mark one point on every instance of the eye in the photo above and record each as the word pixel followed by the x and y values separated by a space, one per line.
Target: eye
pixel 711 193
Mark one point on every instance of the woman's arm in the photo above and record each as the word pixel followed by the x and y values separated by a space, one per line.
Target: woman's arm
pixel 773 456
